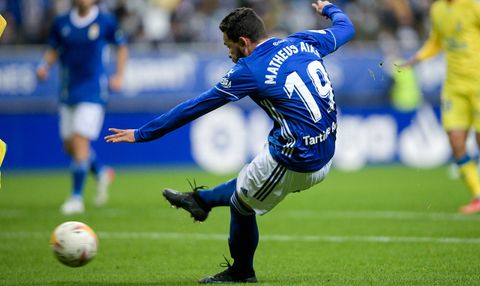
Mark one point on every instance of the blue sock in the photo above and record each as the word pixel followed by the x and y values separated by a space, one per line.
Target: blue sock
pixel 79 172
pixel 220 195
pixel 464 160
pixel 243 238
pixel 95 165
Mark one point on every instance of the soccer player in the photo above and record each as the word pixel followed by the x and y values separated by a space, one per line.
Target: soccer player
pixel 3 24
pixel 3 151
pixel 78 40
pixel 455 29
pixel 287 79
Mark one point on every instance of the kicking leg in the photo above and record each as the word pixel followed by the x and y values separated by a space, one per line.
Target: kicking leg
pixel 220 195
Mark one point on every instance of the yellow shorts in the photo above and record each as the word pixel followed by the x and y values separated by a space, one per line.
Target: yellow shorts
pixel 460 109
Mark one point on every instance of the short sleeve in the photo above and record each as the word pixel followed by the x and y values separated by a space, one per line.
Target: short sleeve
pixel 237 83
pixel 114 34
pixel 476 9
pixel 54 39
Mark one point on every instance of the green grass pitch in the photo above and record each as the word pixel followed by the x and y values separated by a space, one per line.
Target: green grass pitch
pixel 380 226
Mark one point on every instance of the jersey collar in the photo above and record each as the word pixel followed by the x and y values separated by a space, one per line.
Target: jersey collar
pixel 264 42
pixel 82 22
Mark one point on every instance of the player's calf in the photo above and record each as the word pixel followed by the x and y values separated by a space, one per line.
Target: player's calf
pixel 104 181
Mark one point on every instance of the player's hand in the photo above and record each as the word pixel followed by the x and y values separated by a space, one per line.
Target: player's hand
pixel 409 63
pixel 42 73
pixel 121 135
pixel 320 5
pixel 116 82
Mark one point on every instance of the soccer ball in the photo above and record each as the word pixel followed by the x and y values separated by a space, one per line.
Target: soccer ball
pixel 74 243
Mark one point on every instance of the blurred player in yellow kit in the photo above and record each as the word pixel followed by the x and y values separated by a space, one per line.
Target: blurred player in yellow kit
pixel 3 146
pixel 3 25
pixel 3 150
pixel 455 30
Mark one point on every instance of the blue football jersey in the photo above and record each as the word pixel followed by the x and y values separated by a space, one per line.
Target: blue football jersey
pixel 287 79
pixel 81 49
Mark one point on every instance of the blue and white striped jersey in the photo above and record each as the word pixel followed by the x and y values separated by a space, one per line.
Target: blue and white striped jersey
pixel 80 44
pixel 287 79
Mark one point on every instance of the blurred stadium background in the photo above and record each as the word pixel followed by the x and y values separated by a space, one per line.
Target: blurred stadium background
pixel 177 52
pixel 394 222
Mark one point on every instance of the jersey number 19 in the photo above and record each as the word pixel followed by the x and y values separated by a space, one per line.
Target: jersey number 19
pixel 319 77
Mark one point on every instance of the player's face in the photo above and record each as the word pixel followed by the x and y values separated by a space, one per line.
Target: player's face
pixel 84 4
pixel 234 49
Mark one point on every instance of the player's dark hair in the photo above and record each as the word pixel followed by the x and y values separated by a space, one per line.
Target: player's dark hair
pixel 243 22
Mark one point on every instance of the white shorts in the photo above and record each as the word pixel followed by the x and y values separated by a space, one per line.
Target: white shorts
pixel 85 119
pixel 263 183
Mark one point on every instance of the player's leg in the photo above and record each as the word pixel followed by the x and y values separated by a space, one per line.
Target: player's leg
pixel 78 126
pixel 104 176
pixel 457 118
pixel 77 146
pixel 261 185
pixel 89 118
pixel 199 202
pixel 74 147
pixel 96 165
pixel 80 164
pixel 220 195
pixel 474 205
pixel 74 204
pixel 243 237
pixel 466 164
pixel 242 242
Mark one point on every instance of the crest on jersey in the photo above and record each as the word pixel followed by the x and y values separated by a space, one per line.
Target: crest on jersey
pixel 93 32
pixel 65 31
pixel 458 27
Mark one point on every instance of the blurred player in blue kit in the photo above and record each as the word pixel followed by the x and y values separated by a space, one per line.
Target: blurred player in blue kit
pixel 287 79
pixel 78 40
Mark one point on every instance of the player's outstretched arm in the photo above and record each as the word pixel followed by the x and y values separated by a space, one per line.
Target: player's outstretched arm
pixel 342 27
pixel 121 135
pixel 170 120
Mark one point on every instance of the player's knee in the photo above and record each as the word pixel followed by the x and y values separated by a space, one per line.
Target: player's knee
pixel 240 207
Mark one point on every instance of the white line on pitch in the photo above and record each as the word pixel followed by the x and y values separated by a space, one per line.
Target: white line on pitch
pixel 371 214
pixel 274 238
pixel 294 214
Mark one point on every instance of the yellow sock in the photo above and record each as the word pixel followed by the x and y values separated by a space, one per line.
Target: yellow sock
pixel 470 177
